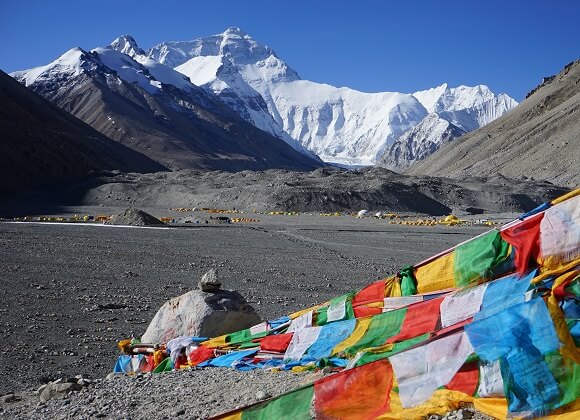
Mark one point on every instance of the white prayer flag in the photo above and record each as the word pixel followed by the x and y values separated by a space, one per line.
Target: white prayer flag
pixel 461 305
pixel 422 370
pixel 260 328
pixel 303 321
pixel 336 310
pixel 392 303
pixel 490 380
pixel 301 340
pixel 560 230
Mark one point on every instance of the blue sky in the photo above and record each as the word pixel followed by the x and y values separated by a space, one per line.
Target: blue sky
pixel 366 45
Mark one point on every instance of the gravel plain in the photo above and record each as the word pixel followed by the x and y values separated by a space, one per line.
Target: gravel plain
pixel 71 291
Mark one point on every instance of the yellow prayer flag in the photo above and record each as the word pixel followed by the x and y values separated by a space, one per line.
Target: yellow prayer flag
pixel 215 342
pixel 362 325
pixel 436 275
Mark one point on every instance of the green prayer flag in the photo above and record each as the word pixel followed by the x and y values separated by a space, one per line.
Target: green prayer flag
pixel 321 318
pixel 476 259
pixel 165 366
pixel 239 337
pixel 249 345
pixel 408 281
pixel 243 336
pixel 381 328
pixel 322 313
pixel 567 374
pixel 397 347
pixel 573 288
pixel 294 405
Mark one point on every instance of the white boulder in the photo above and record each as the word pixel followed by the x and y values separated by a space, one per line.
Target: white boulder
pixel 202 314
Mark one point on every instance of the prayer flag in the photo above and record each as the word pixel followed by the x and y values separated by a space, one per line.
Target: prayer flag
pixel 294 405
pixel 560 233
pixel 360 393
pixel 300 342
pixel 461 305
pixel 524 326
pixel 476 259
pixel 329 336
pixel 421 318
pixel 372 293
pixel 277 342
pixel 381 328
pixel 420 371
pixel 524 237
pixel 436 275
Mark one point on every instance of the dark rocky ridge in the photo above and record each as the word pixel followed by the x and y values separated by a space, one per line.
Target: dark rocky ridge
pixel 42 146
pixel 407 150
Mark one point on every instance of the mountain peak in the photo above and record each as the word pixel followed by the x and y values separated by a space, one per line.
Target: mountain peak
pixel 444 98
pixel 126 44
pixel 429 97
pixel 234 48
pixel 238 46
pixel 71 63
pixel 234 30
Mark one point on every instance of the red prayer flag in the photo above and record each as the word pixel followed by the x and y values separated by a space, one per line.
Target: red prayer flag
pixel 149 364
pixel 466 379
pixel 370 294
pixel 363 310
pixel 359 393
pixel 525 238
pixel 278 342
pixel 200 354
pixel 421 318
pixel 560 291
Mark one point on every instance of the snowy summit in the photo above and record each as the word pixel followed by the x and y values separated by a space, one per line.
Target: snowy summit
pixel 341 125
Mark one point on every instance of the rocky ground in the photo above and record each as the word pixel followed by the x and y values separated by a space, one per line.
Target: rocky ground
pixel 71 291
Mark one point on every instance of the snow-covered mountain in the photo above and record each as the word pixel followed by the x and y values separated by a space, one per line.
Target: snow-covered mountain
pixel 339 124
pixel 419 142
pixel 539 139
pixel 452 113
pixel 464 106
pixel 156 110
pixel 231 88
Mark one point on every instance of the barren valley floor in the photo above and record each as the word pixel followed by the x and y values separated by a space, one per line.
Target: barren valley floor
pixel 71 291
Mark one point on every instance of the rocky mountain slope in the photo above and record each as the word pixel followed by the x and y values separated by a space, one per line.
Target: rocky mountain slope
pixel 43 146
pixel 419 142
pixel 155 110
pixel 339 124
pixel 540 139
pixel 322 190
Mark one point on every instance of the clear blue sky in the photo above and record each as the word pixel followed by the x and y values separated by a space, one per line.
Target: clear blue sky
pixel 366 45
